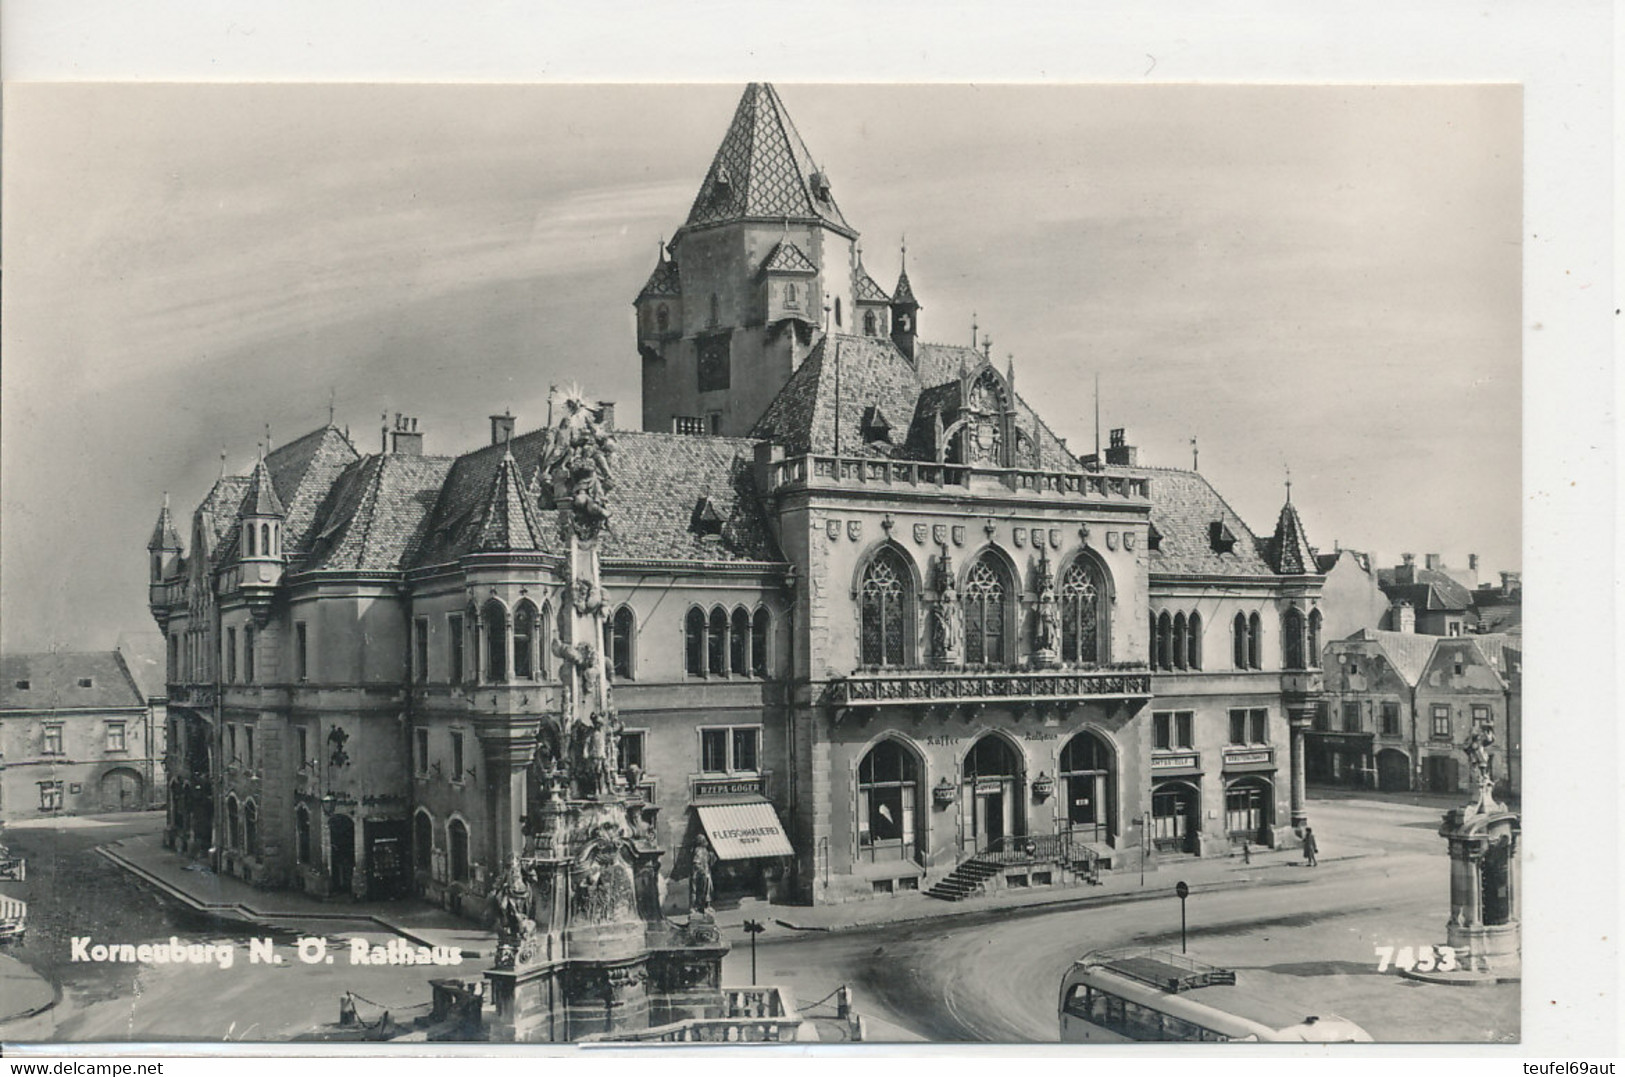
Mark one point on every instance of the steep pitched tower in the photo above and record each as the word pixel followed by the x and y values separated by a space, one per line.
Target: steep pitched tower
pixel 762 267
pixel 905 312
pixel 164 552
pixel 259 542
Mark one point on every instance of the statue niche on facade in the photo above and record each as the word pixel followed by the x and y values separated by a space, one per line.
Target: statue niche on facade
pixel 1048 642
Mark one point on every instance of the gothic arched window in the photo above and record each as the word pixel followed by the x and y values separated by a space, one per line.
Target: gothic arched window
pixel 868 323
pixel 986 590
pixel 888 792
pixel 791 300
pixel 265 539
pixel 1165 632
pixel 716 643
pixel 1314 639
pixel 1255 642
pixel 882 614
pixel 422 840
pixel 524 638
pixel 1193 642
pixel 1178 654
pixel 621 630
pixel 1240 631
pixel 739 642
pixel 457 840
pixel 1083 613
pixel 758 643
pixel 694 642
pixel 1292 639
pixel 662 318
pixel 496 642
pixel 837 311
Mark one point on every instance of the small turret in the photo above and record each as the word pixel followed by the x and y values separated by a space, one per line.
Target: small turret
pixel 259 545
pixel 164 555
pixel 905 312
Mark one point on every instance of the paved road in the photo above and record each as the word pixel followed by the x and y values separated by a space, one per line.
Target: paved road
pixel 993 976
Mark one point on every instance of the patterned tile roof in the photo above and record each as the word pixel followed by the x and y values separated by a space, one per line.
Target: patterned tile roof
pixel 1288 550
pixel 261 499
pixel 904 292
pixel 302 472
pixel 509 520
pixel 1183 507
pixel 164 535
pixel 867 290
pixel 219 511
pixel 374 516
pixel 875 374
pixel 664 282
pixel 53 681
pixel 788 258
pixel 657 478
pixel 1431 591
pixel 762 169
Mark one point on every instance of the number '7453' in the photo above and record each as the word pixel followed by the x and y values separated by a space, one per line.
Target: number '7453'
pixel 1416 958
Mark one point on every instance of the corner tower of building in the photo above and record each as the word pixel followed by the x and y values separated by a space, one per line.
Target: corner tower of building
pixel 764 265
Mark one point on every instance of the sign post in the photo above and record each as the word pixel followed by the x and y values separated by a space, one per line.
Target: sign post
pixel 754 928
pixel 1180 889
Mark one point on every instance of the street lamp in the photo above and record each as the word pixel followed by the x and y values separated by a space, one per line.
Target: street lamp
pixel 1182 892
pixel 754 928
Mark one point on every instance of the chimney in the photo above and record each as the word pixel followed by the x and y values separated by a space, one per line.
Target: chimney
pixel 1406 573
pixel 1404 617
pixel 1119 451
pixel 406 439
pixel 606 414
pixel 1433 562
pixel 502 427
pixel 1472 561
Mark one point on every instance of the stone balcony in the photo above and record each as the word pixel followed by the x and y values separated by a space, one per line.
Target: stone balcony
pixel 861 472
pixel 943 690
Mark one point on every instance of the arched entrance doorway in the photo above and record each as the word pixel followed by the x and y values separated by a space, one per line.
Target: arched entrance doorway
pixel 1090 787
pixel 1393 771
pixel 121 790
pixel 1247 810
pixel 990 801
pixel 341 841
pixel 1176 817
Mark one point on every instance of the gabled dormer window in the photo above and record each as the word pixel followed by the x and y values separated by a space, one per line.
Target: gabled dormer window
pixel 1220 537
pixel 706 520
pixel 875 426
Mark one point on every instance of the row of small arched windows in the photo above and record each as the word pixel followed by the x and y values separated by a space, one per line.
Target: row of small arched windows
pixel 1176 641
pixel 720 643
pixel 456 846
pixel 242 826
pixel 524 641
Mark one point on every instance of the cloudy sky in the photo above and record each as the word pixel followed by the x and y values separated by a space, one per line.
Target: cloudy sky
pixel 1323 278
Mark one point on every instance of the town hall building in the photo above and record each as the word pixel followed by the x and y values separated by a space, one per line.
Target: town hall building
pixel 868 620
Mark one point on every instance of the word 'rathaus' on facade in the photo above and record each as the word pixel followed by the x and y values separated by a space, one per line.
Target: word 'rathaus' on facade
pixel 865 615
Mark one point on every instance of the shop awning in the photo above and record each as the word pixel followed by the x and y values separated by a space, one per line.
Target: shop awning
pixel 744 830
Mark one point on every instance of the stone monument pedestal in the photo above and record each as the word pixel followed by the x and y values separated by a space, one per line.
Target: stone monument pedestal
pixel 1484 928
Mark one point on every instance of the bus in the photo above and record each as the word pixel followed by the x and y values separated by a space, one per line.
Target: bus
pixel 1151 995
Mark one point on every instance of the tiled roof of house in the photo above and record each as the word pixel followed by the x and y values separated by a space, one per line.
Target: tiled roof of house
pixel 786 257
pixel 53 680
pixel 373 518
pixel 1431 591
pixel 1408 652
pixel 656 477
pixel 219 511
pixel 1183 506
pixel 875 374
pixel 1288 550
pixel 1494 646
pixel 762 169
pixel 1500 618
pixel 664 282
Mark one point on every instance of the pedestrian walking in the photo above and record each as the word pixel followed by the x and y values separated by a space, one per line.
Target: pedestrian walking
pixel 1311 848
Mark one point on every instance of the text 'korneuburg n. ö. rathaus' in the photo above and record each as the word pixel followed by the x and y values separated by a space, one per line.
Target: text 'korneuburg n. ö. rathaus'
pixel 865 615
